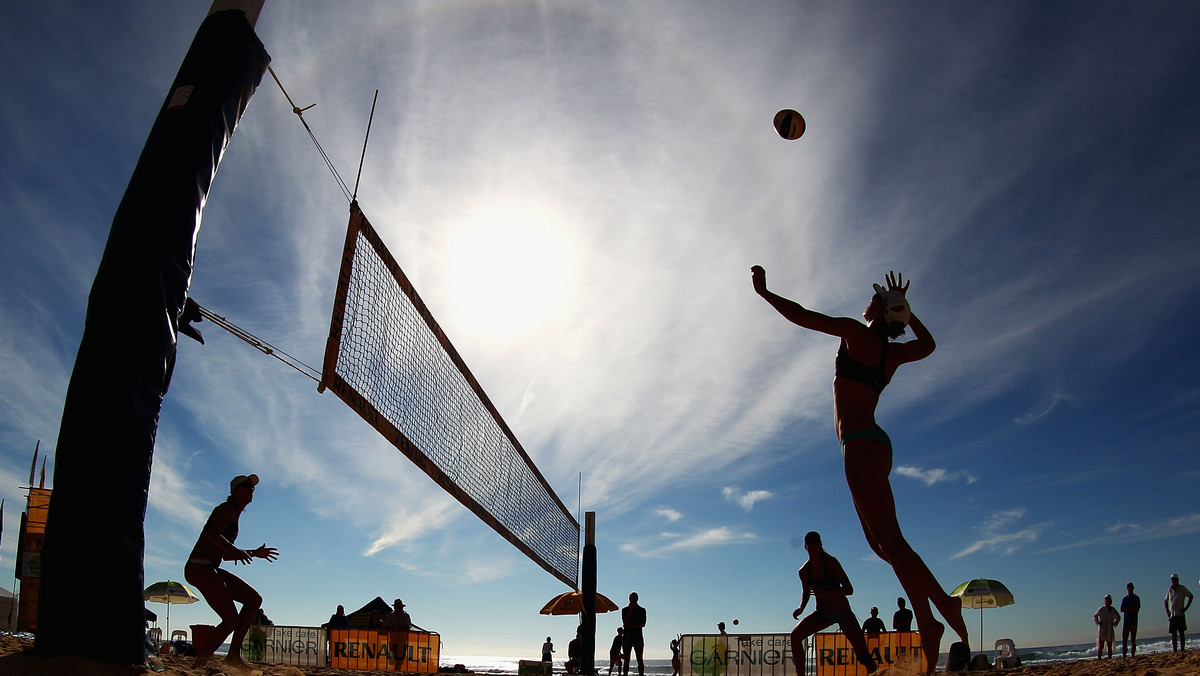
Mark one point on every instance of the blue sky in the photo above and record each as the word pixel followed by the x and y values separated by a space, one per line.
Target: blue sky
pixel 578 191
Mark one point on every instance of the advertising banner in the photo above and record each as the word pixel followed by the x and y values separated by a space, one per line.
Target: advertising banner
pixel 384 650
pixel 298 646
pixel 833 655
pixel 737 655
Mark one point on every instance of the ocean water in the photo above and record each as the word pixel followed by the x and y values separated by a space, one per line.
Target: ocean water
pixel 507 666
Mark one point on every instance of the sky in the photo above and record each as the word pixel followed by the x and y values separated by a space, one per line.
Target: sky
pixel 578 191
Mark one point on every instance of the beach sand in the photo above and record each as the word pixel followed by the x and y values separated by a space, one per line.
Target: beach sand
pixel 15 662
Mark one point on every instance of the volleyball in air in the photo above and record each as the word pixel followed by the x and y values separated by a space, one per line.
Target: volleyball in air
pixel 735 621
pixel 789 124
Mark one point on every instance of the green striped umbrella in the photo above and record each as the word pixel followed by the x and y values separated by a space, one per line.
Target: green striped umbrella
pixel 983 593
pixel 169 592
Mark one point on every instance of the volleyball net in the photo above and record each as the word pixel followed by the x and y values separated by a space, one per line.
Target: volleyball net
pixel 388 359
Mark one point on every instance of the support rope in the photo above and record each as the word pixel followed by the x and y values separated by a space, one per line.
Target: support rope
pixel 259 344
pixel 324 156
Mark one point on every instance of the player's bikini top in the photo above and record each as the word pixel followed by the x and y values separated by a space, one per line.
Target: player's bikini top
pixel 828 581
pixel 848 367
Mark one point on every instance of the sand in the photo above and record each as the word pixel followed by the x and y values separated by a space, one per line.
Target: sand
pixel 15 662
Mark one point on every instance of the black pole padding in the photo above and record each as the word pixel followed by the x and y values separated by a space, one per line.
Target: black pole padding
pixel 95 542
pixel 587 633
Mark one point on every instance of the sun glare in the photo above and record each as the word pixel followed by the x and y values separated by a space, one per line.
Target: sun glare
pixel 510 269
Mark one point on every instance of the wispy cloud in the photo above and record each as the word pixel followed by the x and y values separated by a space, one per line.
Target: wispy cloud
pixel 935 476
pixel 666 543
pixel 1124 533
pixel 1051 401
pixel 745 500
pixel 998 534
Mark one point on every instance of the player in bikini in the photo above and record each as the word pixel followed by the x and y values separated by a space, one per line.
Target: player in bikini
pixel 866 361
pixel 823 578
pixel 222 588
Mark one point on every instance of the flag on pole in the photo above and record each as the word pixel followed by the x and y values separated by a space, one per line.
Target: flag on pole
pixel 33 465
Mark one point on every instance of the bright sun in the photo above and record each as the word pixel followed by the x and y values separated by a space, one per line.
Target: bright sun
pixel 510 268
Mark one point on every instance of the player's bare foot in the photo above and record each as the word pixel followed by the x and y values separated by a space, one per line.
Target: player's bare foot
pixel 931 644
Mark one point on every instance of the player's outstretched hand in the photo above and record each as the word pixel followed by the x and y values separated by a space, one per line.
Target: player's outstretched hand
pixel 895 282
pixel 796 614
pixel 265 552
pixel 758 276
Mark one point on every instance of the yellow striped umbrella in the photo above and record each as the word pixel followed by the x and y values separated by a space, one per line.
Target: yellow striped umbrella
pixel 983 593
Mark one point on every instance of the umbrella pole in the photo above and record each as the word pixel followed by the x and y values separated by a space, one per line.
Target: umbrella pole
pixel 980 626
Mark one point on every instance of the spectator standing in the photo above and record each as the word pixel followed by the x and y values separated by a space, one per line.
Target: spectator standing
pixel 902 618
pixel 633 618
pixel 874 625
pixel 1176 608
pixel 1106 619
pixel 1131 605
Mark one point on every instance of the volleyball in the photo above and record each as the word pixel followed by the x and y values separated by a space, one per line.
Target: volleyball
pixel 735 621
pixel 789 124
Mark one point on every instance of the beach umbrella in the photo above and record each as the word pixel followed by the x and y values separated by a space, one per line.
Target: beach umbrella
pixel 983 593
pixel 169 592
pixel 571 603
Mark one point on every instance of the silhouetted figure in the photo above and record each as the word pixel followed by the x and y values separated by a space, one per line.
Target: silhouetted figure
pixel 823 578
pixel 675 664
pixel 1131 605
pixel 615 651
pixel 633 619
pixel 221 588
pixel 399 618
pixel 874 625
pixel 338 619
pixel 902 618
pixel 866 362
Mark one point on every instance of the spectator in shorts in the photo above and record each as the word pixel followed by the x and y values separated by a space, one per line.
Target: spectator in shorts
pixel 1176 610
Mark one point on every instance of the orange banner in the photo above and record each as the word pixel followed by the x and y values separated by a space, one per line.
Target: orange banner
pixel 412 652
pixel 835 657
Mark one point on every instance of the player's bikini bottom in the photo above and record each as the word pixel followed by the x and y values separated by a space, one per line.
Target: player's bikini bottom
pixel 875 434
pixel 833 617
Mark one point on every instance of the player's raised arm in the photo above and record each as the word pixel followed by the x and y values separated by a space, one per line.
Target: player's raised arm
pixel 798 314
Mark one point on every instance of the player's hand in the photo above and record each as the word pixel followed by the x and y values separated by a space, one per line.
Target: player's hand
pixel 243 556
pixel 895 282
pixel 758 276
pixel 796 613
pixel 265 552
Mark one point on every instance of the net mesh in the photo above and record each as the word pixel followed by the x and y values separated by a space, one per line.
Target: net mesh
pixel 388 359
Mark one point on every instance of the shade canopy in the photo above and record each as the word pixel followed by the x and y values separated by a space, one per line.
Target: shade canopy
pixel 983 593
pixel 169 592
pixel 571 603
